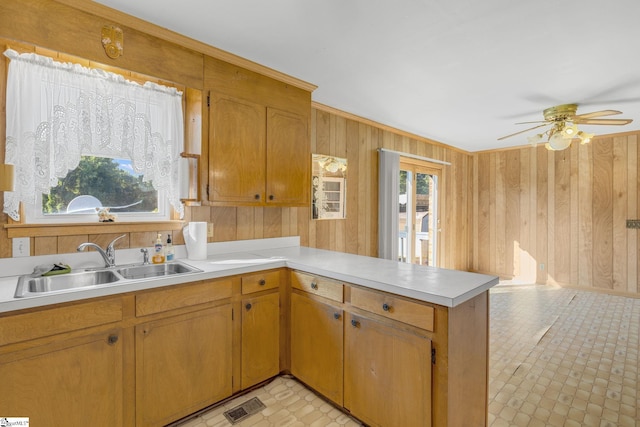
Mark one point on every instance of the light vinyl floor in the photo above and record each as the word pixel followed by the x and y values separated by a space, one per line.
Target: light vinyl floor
pixel 558 357
pixel 562 357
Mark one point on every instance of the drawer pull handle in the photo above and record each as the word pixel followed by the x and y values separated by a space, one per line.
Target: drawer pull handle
pixel 113 339
pixel 314 286
pixel 386 307
pixel 336 316
pixel 355 323
pixel 262 282
pixel 248 306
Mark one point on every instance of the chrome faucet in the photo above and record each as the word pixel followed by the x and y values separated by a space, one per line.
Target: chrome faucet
pixel 145 256
pixel 109 255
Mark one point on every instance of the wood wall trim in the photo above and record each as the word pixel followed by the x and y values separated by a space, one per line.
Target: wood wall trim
pixel 49 230
pixel 184 41
pixel 523 146
pixel 381 126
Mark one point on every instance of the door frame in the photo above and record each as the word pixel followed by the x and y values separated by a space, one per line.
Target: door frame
pixel 415 166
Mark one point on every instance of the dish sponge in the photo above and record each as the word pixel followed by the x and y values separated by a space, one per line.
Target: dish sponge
pixel 51 269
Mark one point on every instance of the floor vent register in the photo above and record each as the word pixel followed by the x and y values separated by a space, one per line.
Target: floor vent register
pixel 241 412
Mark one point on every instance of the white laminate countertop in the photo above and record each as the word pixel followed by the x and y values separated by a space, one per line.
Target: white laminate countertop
pixel 435 285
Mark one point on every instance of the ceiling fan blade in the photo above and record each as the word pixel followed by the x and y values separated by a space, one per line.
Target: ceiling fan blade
pixel 522 131
pixel 615 122
pixel 528 123
pixel 601 113
pixel 608 101
pixel 603 96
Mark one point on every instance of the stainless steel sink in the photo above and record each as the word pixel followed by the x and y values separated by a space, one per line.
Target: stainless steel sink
pixel 29 285
pixel 155 270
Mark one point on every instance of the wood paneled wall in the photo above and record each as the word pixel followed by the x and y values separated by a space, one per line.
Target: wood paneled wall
pixel 559 217
pixel 358 141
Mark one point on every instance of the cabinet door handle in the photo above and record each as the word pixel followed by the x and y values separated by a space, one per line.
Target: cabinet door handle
pixel 314 286
pixel 112 339
pixel 386 307
pixel 248 306
pixel 271 197
pixel 262 282
pixel 257 197
pixel 336 316
pixel 355 323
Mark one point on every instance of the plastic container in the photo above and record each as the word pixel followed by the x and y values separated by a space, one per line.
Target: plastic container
pixel 168 249
pixel 158 251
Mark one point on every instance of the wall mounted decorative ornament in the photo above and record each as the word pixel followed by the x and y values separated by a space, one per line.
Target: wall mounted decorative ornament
pixel 112 41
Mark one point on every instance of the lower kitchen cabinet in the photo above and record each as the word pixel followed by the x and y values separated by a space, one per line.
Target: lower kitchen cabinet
pixel 317 346
pixel 152 357
pixel 387 374
pixel 70 382
pixel 183 364
pixel 260 338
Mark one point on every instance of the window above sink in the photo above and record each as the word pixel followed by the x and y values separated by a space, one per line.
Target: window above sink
pixel 60 115
pixel 99 183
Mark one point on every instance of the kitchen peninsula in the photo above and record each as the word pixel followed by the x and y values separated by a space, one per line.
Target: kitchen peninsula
pixel 394 344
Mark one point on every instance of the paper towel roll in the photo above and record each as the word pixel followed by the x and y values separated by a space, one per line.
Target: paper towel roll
pixel 195 238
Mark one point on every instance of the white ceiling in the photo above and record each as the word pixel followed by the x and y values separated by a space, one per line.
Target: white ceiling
pixel 461 72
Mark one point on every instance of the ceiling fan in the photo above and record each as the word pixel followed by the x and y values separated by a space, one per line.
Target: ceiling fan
pixel 563 122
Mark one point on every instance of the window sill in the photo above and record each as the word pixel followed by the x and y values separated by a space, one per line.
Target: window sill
pixel 48 230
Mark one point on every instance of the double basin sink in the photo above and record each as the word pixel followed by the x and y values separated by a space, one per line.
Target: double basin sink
pixel 31 286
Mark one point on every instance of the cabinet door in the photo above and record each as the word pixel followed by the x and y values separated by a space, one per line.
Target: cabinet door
pixel 317 346
pixel 260 339
pixel 183 364
pixel 288 159
pixel 237 147
pixel 387 374
pixel 72 383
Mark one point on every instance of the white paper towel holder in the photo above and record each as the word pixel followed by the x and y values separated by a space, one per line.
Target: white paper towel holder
pixel 195 239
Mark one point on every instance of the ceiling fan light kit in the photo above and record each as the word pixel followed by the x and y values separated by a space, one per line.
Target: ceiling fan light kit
pixel 585 137
pixel 563 122
pixel 558 142
pixel 570 130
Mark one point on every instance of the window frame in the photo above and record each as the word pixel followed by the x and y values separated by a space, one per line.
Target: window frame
pixel 33 215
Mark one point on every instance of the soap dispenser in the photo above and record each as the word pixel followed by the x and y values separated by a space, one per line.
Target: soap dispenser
pixel 158 253
pixel 168 249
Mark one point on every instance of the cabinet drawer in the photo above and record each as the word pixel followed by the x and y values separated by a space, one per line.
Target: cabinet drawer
pixel 52 321
pixel 182 296
pixel 394 308
pixel 317 285
pixel 260 282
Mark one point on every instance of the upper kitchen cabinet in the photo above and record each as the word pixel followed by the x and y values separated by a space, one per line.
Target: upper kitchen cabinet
pixel 237 150
pixel 259 138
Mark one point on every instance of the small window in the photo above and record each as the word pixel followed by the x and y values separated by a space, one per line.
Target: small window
pixel 328 198
pixel 96 183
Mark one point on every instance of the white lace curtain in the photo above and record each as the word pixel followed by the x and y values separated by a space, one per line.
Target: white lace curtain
pixel 57 112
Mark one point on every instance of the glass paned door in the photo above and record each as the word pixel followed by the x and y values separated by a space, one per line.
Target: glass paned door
pixel 404 206
pixel 425 215
pixel 418 214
